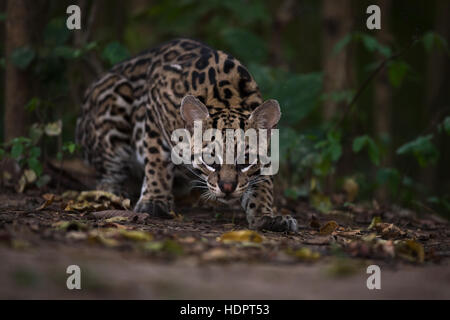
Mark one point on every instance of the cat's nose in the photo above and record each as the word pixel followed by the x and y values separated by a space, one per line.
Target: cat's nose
pixel 227 187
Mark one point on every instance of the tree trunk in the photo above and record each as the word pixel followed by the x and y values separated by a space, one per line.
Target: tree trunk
pixel 437 97
pixel 17 82
pixel 284 14
pixel 337 67
pixel 382 111
pixel 337 23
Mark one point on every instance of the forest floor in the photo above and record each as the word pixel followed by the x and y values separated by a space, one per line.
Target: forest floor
pixel 198 254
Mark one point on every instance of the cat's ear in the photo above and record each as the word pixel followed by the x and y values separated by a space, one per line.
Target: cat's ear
pixel 192 110
pixel 266 116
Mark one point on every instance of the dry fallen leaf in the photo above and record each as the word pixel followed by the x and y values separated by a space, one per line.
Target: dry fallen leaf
pixel 70 195
pixel 70 225
pixel 132 216
pixel 352 234
pixel 136 235
pixel 103 237
pixel 176 216
pixel 241 236
pixel 49 198
pixel 328 228
pixel 389 230
pixel 351 188
pixel 116 219
pixel 375 221
pixel 84 205
pixel 410 250
pixel 304 254
pixel 166 246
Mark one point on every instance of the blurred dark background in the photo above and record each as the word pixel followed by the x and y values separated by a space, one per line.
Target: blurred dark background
pixel 366 113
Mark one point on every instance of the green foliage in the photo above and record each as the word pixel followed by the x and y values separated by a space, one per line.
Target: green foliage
pixel 298 95
pixel 114 53
pixel 372 148
pixel 69 148
pixel 26 154
pixel 445 125
pixel 397 71
pixel 254 50
pixel 22 57
pixel 56 33
pixel 422 149
pixel 369 43
pixel 431 40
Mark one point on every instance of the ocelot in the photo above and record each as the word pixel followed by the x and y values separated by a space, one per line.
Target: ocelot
pixel 128 116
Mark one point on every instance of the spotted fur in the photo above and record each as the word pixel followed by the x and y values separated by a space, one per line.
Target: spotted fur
pixel 128 116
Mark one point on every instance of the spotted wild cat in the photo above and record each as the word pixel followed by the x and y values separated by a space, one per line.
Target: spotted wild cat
pixel 128 116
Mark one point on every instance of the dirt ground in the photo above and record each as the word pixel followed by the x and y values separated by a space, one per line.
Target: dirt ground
pixel 197 255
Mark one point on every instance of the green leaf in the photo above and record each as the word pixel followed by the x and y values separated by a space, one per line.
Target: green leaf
pixel 33 104
pixel 297 96
pixel 359 143
pixel 423 150
pixel 2 16
pixel 372 148
pixel 35 165
pixel 245 45
pixel 70 147
pixel 22 57
pixel 67 53
pixel 17 150
pixel 56 32
pixel 397 71
pixel 35 152
pixel 446 125
pixel 431 40
pixel 342 43
pixel 114 53
pixel 372 45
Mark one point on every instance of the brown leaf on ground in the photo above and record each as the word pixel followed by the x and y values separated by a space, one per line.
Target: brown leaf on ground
pixel 85 205
pixel 389 230
pixel 136 235
pixel 100 196
pixel 352 234
pixel 70 195
pixel 351 188
pixel 241 236
pixel 328 228
pixel 49 198
pixel 410 250
pixel 130 215
pixel 70 225
pixel 374 222
pixel 304 254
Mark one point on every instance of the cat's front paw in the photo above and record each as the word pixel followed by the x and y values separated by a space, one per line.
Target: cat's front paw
pixel 156 208
pixel 280 223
